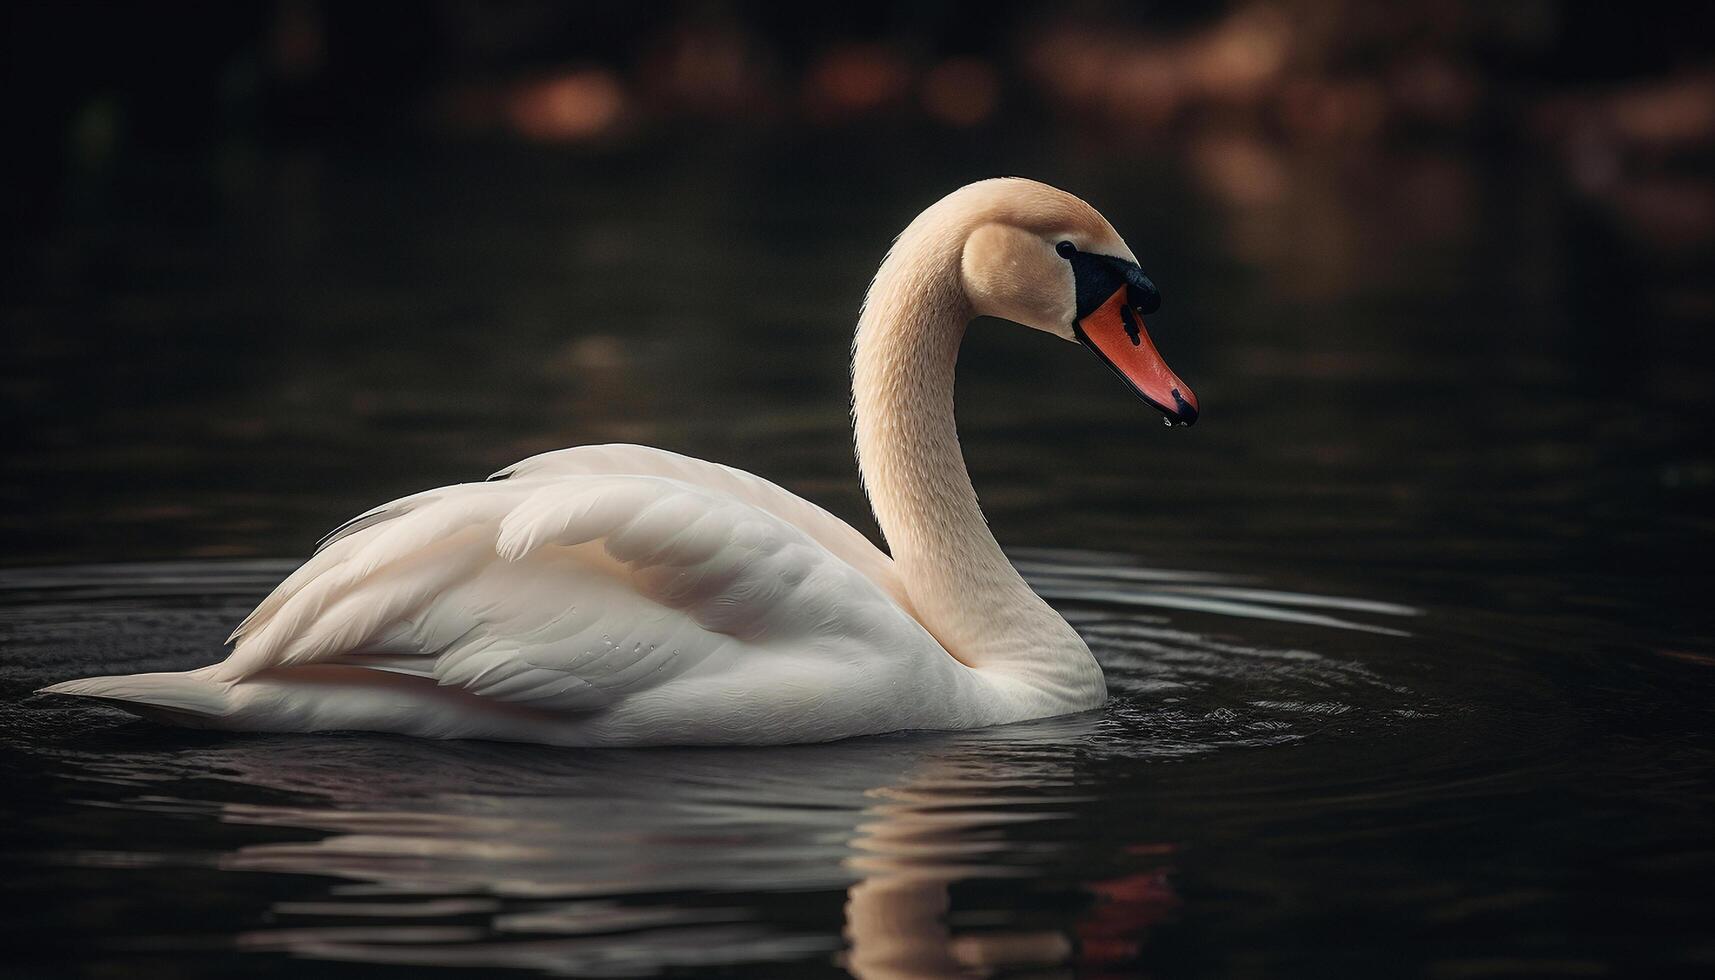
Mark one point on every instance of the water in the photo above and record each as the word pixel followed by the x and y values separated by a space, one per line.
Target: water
pixel 1410 666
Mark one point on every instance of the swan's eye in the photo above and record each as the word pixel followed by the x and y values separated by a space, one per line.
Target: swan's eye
pixel 1066 249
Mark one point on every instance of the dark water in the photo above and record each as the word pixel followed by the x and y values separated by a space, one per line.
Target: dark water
pixel 1407 638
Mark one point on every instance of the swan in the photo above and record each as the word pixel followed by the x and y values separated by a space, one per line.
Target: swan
pixel 621 595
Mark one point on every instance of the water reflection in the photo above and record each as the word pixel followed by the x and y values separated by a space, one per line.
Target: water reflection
pixel 608 863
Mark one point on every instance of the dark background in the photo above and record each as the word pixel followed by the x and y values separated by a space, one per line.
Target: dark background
pixel 231 225
pixel 1423 689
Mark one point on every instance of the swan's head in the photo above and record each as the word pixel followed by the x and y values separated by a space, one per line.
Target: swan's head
pixel 1039 256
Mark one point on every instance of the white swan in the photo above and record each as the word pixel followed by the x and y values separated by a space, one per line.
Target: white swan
pixel 621 595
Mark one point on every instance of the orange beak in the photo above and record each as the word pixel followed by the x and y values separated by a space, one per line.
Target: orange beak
pixel 1114 330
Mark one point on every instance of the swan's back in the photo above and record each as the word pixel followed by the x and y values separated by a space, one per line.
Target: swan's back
pixel 350 546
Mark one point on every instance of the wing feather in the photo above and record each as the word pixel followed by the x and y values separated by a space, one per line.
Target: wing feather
pixel 832 533
pixel 564 587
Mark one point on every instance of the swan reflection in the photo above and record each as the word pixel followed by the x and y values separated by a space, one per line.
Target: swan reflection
pixel 634 862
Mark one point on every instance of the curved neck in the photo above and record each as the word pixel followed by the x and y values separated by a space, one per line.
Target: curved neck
pixel 962 587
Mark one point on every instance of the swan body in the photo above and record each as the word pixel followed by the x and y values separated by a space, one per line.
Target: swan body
pixel 623 595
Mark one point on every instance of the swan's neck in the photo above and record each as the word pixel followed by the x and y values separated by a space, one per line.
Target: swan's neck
pixel 961 586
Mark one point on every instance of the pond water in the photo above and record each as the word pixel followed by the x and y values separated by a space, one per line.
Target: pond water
pixel 1407 638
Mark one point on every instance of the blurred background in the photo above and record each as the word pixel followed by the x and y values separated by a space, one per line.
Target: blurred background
pixel 270 261
pixel 1408 638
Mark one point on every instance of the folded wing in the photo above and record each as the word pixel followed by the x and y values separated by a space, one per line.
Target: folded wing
pixel 575 580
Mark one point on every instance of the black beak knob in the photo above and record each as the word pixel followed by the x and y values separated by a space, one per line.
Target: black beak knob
pixel 1144 297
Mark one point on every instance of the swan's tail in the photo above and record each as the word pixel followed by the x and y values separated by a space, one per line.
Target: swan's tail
pixel 188 698
pixel 337 697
